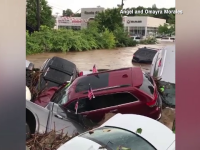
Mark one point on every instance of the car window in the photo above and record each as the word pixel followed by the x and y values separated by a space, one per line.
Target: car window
pixel 137 38
pixel 123 98
pixel 113 138
pixel 96 81
pixel 147 85
pixel 104 101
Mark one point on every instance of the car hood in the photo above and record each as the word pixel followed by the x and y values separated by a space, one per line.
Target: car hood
pixel 153 131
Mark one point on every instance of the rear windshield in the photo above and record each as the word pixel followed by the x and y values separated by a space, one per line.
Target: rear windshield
pixel 147 85
pixel 96 81
pixel 113 138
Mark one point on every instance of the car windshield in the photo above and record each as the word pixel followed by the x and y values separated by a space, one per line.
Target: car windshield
pixel 113 138
pixel 62 96
pixel 147 85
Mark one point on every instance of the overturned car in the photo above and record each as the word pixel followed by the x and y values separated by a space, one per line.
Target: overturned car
pixel 144 55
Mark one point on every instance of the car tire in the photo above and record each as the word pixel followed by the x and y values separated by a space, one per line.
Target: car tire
pixel 28 132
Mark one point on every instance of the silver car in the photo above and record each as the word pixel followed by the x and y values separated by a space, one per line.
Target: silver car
pixel 41 120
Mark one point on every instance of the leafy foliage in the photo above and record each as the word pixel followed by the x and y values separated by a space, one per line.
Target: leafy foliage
pixel 64 40
pixel 166 29
pixel 45 14
pixel 139 131
pixel 67 12
pixel 110 19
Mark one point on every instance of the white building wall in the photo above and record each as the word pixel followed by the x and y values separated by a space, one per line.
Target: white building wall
pixel 89 13
pixel 155 22
pixel 142 24
pixel 135 21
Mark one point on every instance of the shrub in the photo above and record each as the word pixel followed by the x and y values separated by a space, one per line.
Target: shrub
pixel 64 40
pixel 122 38
pixel 149 40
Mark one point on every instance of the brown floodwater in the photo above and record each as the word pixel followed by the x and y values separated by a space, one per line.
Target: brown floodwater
pixel 103 59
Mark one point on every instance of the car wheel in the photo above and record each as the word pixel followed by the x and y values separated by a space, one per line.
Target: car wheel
pixel 28 132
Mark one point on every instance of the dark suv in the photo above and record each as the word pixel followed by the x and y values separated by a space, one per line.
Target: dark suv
pixel 126 91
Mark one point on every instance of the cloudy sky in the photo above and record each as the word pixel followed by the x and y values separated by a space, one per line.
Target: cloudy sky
pixel 75 5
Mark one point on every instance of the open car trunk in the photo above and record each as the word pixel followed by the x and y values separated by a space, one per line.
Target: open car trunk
pixel 144 55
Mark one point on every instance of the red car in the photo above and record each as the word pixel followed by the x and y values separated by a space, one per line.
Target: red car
pixel 126 91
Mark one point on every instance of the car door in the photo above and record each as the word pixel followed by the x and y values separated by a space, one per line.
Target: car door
pixel 70 110
pixel 100 105
pixel 128 103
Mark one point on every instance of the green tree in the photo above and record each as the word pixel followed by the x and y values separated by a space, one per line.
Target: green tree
pixel 171 19
pixel 166 29
pixel 154 6
pixel 46 17
pixel 163 29
pixel 110 19
pixel 77 15
pixel 67 12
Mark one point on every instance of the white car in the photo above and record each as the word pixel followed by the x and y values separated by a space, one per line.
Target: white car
pixel 167 39
pixel 136 38
pixel 163 67
pixel 121 131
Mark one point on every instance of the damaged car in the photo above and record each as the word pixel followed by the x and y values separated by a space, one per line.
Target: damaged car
pixel 144 55
pixel 125 132
pixel 126 91
pixel 163 70
pixel 43 120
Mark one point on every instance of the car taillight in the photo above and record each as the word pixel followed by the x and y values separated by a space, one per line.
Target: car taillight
pixel 160 63
pixel 81 74
pixel 153 102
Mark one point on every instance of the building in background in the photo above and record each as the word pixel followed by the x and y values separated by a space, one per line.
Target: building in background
pixel 88 14
pixel 142 25
pixel 135 25
pixel 69 22
pixel 77 23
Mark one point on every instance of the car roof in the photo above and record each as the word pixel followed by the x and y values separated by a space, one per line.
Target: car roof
pixel 125 77
pixel 160 136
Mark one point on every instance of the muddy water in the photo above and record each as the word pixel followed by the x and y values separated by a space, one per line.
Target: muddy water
pixel 104 59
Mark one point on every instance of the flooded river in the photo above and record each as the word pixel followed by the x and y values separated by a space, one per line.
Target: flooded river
pixel 104 59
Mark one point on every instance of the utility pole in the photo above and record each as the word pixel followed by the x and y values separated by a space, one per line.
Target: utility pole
pixel 57 20
pixel 38 14
pixel 122 4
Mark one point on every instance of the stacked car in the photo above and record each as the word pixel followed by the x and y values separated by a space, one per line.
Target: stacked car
pixel 80 99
